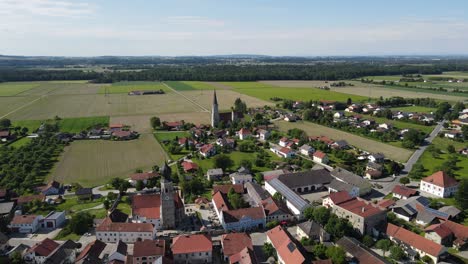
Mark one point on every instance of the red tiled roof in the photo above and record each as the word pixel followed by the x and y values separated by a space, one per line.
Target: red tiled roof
pixel 206 148
pixel 319 154
pixel 4 133
pixel 404 191
pixel 285 246
pixel 30 198
pixel 340 197
pixel 191 244
pixel 189 166
pixel 244 131
pixel 143 176
pixel 148 205
pixel 44 248
pixel 108 226
pixel 460 231
pixel 202 200
pixel 149 248
pixel 386 203
pixel 271 206
pixel 245 256
pixel 149 213
pixel 238 214
pixel 220 201
pixel 234 242
pixel 415 240
pixel 122 133
pixel 441 179
pixel 224 188
pixel 93 249
pixel 361 207
pixel 23 219
pixel 440 229
pixel 174 124
pixel 285 150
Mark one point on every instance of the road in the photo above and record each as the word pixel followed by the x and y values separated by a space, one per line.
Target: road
pixel 390 182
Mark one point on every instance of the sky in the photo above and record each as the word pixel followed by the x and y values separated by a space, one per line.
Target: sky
pixel 219 27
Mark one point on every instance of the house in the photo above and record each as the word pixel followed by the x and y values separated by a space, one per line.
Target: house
pixel 233 243
pixel 352 179
pixel 284 152
pixel 112 232
pixel 84 193
pixel 403 192
pixel 452 134
pixel 263 134
pixel 226 142
pixel 306 150
pixel 224 188
pixel 53 220
pixel 147 209
pixel 184 140
pixel 290 118
pixel 268 175
pixel 175 125
pixel 192 249
pixel 407 209
pixel 202 203
pixel 275 210
pixel 189 166
pixel 40 251
pixel 306 181
pixel 448 233
pixel 385 126
pixel 312 230
pixel 320 157
pixel 6 209
pixel 339 186
pixel 91 253
pixel 118 253
pixel 207 150
pixel 376 158
pixel 340 144
pixel 4 135
pixel 294 202
pixel 143 176
pixel 64 253
pixel 244 133
pixel 336 198
pixel 439 184
pixel 364 216
pixel 240 178
pixel 214 174
pixel 283 142
pixel 26 224
pixel 52 188
pixel 359 252
pixel 148 251
pixel 246 255
pixel 123 135
pixel 414 244
pixel 286 249
pixel 29 198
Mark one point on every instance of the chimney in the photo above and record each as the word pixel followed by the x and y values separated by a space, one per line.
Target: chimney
pixel 363 209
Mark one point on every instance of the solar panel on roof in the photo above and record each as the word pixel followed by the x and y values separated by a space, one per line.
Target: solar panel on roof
pixel 287 193
pixel 291 247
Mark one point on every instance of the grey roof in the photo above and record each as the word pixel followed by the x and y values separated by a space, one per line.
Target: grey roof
pixel 121 248
pixel 54 215
pixel 409 205
pixel 61 253
pixel 243 170
pixel 306 147
pixel 6 208
pixel 374 165
pixel 292 197
pixel 350 178
pixel 450 210
pixel 256 192
pixel 273 173
pixel 359 251
pixel 214 171
pixel 340 186
pixel 305 178
pixel 425 216
pixel 341 143
pixel 378 156
pixel 312 228
pixel 84 191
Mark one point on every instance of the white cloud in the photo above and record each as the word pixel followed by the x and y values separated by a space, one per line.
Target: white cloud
pixel 193 21
pixel 51 8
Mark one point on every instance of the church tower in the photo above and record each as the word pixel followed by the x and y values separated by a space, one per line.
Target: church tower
pixel 214 111
pixel 167 208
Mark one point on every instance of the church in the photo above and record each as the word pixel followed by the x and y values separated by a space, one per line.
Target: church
pixel 165 210
pixel 226 118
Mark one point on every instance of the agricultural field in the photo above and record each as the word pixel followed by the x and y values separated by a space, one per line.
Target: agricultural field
pixel 392 152
pixel 11 89
pixel 266 92
pixel 71 125
pixel 430 163
pixel 415 109
pixel 95 162
pixel 126 87
pixel 190 85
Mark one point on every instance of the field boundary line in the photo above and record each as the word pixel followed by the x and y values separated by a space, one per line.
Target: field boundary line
pixel 188 99
pixel 23 106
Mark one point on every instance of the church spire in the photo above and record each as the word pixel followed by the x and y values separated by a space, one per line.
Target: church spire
pixel 215 99
pixel 214 111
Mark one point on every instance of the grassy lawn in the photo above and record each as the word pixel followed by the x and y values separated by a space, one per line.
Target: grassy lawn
pixel 266 92
pixel 125 87
pixel 430 163
pixel 417 109
pixel 20 142
pixel 190 85
pixel 63 237
pixel 10 89
pixel 95 162
pixel 32 125
pixel 237 157
pixel 125 207
pixel 163 136
pixel 76 125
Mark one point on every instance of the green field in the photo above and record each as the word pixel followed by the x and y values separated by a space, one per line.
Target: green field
pixel 11 89
pixel 162 136
pixel 190 85
pixel 126 87
pixel 430 163
pixel 266 92
pixel 391 152
pixel 414 109
pixel 95 162
pixel 71 125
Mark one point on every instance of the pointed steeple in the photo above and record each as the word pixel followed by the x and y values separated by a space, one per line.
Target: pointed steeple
pixel 166 171
pixel 215 99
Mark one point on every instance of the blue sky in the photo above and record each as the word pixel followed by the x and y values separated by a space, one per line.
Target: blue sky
pixel 209 27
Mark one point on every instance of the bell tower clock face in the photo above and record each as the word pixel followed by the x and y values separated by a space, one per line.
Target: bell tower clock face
pixel 166 197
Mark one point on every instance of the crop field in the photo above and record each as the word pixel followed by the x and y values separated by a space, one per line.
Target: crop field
pixel 414 109
pixel 10 89
pixel 93 163
pixel 226 98
pixel 392 152
pixel 298 84
pixel 126 87
pixel 190 85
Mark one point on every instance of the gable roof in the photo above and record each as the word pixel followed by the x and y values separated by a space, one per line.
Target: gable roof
pixel 143 176
pixel 148 205
pixel 319 154
pixel 271 206
pixel 305 178
pixel 149 247
pixel 254 213
pixel 23 219
pixel 292 197
pixel 311 228
pixel 44 248
pixel 285 247
pixel 93 250
pixel 359 251
pixel 234 242
pixel 191 243
pixel 340 197
pixel 441 179
pixel 224 188
pixel 220 201
pixel 404 191
pixel 361 207
pixel 415 240
pixel 108 226
pixel 350 178
pixel 245 256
